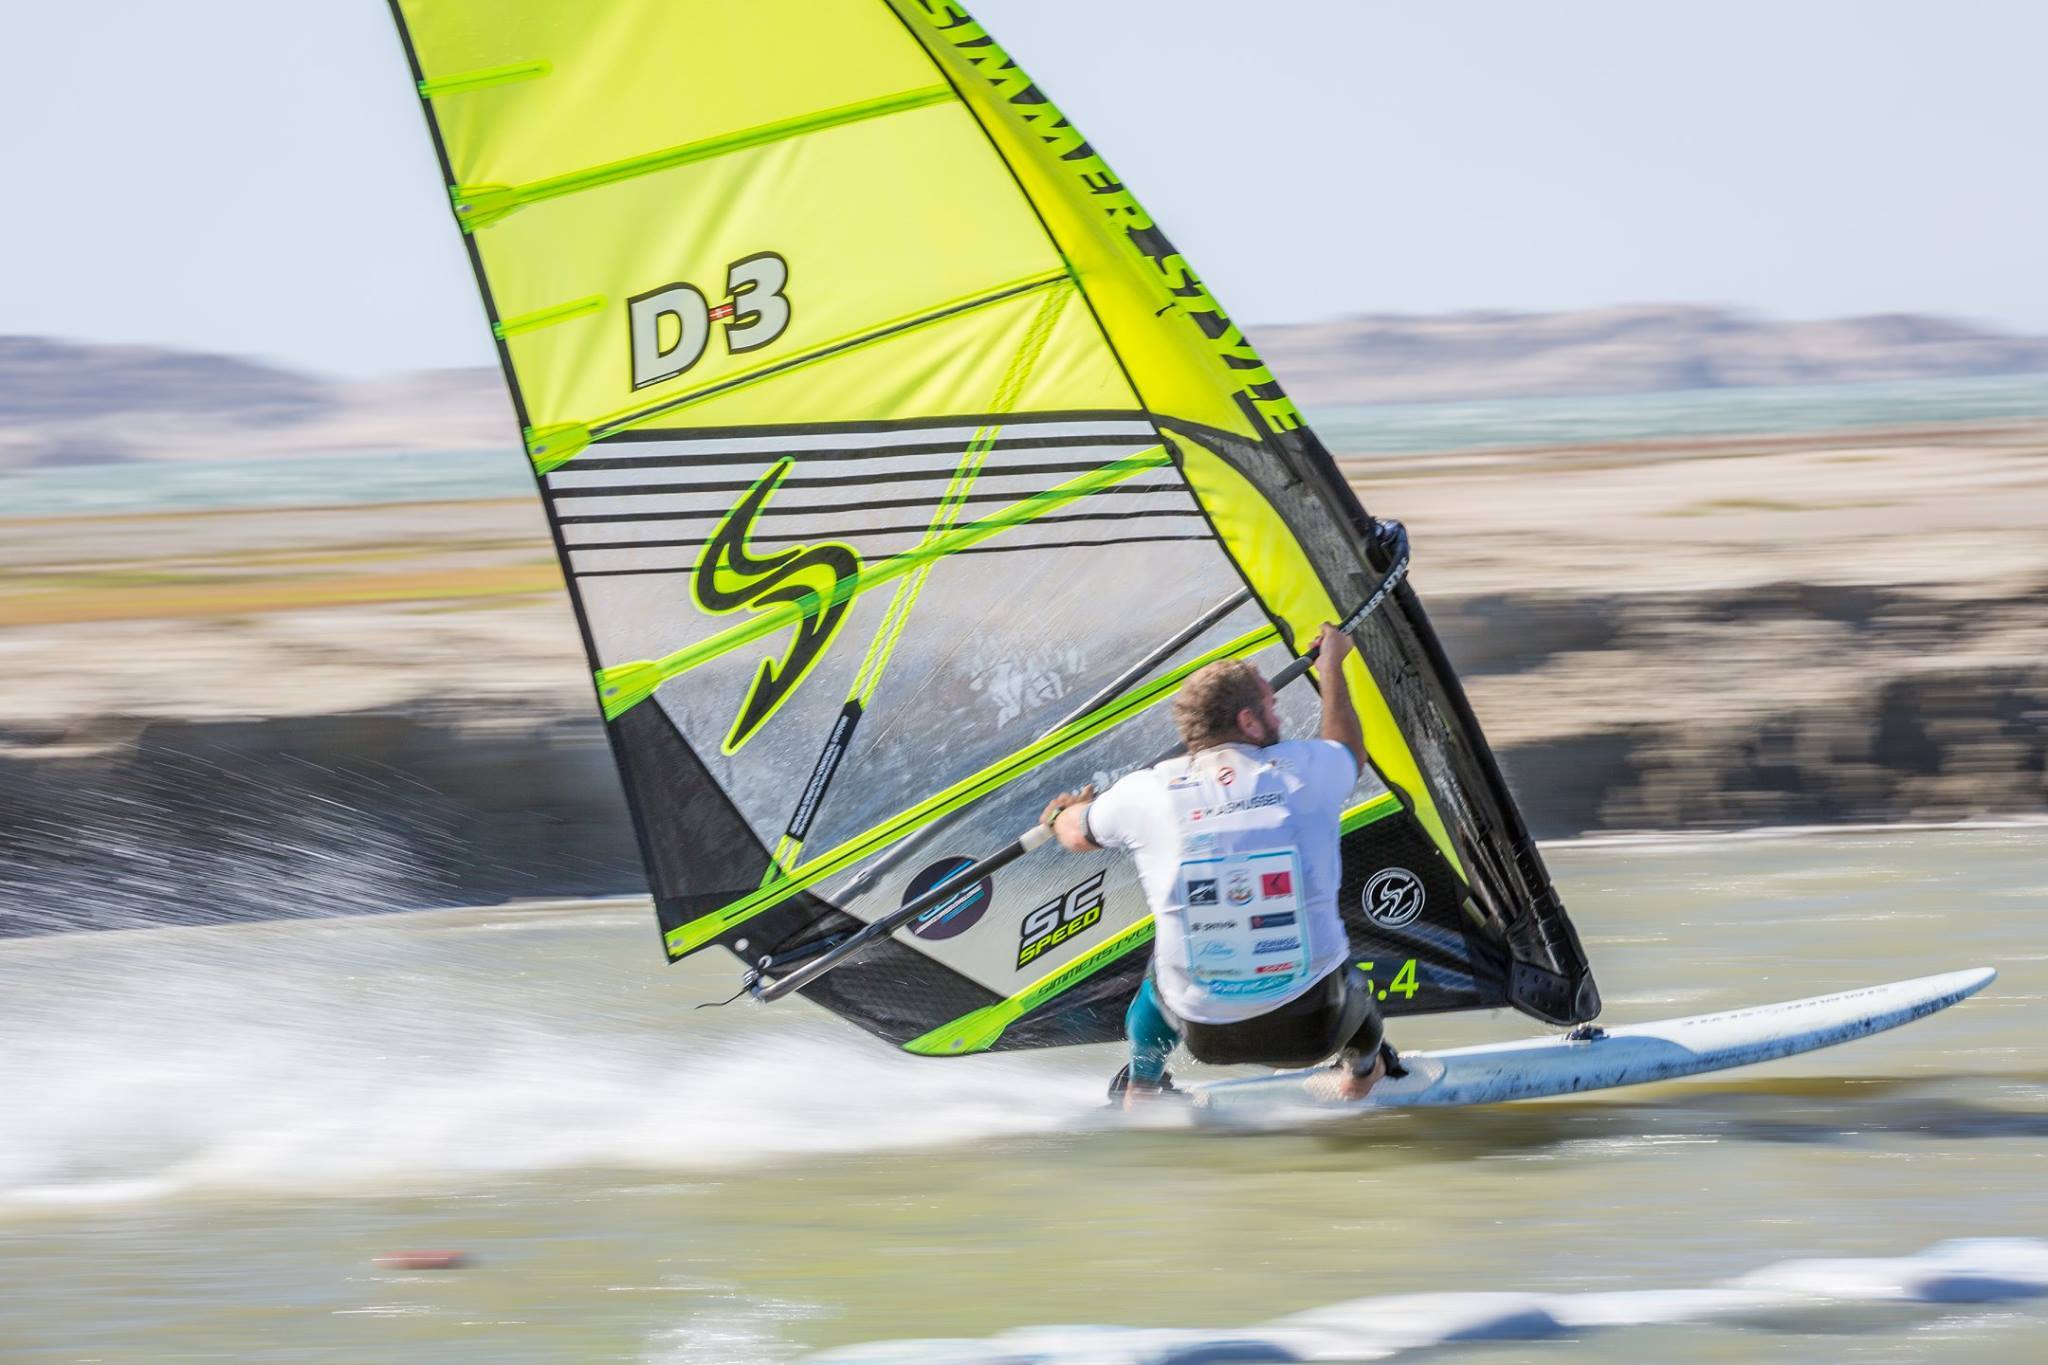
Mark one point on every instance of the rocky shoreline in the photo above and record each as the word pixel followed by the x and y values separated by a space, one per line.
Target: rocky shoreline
pixel 1913 726
pixel 425 804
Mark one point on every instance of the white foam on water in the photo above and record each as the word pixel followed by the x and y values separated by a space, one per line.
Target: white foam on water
pixel 1973 1271
pixel 338 1069
pixel 254 1113
pixel 1678 841
pixel 732 1330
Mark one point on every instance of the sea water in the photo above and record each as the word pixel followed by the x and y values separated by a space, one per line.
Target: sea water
pixel 1358 429
pixel 209 1135
pixel 1593 419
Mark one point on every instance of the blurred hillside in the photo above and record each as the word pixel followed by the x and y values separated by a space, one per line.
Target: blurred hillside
pixel 63 404
pixel 1393 359
pixel 66 404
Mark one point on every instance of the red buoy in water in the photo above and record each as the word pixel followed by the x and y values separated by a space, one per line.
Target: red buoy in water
pixel 421 1260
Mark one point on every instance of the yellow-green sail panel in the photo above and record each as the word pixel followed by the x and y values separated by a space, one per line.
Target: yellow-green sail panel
pixel 799 298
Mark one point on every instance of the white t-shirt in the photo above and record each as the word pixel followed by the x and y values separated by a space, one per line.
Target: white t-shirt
pixel 1237 849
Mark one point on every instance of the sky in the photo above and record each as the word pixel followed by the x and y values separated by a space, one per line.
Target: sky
pixel 254 177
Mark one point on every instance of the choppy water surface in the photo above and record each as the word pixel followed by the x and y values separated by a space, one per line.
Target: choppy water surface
pixel 207 1135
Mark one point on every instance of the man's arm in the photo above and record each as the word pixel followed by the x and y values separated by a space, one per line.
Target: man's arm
pixel 1067 814
pixel 1340 717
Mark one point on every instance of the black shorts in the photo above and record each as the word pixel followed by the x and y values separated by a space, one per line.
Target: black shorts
pixel 1337 1014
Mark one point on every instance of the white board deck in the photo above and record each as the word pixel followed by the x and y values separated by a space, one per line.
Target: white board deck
pixel 1630 1054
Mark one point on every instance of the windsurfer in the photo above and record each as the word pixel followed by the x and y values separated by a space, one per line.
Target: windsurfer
pixel 1237 847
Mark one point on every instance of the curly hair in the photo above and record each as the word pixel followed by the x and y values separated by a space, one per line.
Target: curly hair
pixel 1205 709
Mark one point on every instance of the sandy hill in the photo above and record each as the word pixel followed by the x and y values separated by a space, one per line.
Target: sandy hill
pixel 63 403
pixel 1388 358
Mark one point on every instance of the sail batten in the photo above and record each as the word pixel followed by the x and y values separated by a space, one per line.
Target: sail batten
pixel 880 649
pixel 874 314
pixel 479 206
pixel 991 779
pixel 882 332
pixel 624 685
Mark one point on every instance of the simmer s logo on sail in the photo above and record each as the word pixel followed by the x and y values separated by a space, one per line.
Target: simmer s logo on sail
pixel 1393 897
pixel 730 576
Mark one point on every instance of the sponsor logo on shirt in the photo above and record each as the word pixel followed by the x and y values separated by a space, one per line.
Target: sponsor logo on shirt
pixel 1273 884
pixel 1226 775
pixel 1234 807
pixel 1243 987
pixel 1182 784
pixel 1202 891
pixel 1279 920
pixel 1240 889
pixel 1272 967
pixel 1276 945
pixel 1217 952
pixel 1206 926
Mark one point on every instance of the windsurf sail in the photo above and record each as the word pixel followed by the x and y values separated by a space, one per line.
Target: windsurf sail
pixel 883 434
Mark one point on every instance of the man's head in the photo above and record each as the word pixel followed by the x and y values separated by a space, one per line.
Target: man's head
pixel 1223 703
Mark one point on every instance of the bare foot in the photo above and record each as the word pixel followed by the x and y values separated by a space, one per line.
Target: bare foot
pixel 1341 1084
